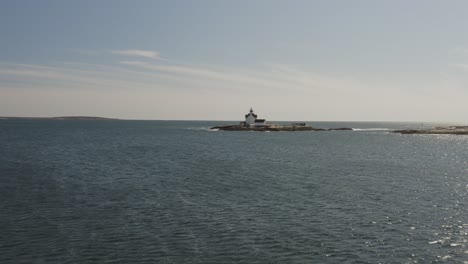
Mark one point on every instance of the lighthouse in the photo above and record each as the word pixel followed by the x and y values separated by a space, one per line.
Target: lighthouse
pixel 251 119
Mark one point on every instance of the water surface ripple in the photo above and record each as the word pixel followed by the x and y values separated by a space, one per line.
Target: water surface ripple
pixel 175 192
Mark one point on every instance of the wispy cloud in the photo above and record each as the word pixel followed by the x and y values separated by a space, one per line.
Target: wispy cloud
pixel 236 78
pixel 459 51
pixel 155 86
pixel 138 53
pixel 32 76
pixel 460 66
pixel 84 51
pixel 135 63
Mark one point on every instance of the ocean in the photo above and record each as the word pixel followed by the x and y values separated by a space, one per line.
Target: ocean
pixel 116 191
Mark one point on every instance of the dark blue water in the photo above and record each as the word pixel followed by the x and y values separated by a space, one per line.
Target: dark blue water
pixel 175 192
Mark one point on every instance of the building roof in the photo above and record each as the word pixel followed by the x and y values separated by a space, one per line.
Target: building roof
pixel 247 115
pixel 259 120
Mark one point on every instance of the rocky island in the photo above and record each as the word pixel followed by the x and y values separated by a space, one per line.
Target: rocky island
pixel 60 118
pixel 451 130
pixel 252 123
pixel 83 118
pixel 275 128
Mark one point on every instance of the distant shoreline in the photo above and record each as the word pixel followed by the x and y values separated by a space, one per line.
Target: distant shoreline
pixel 451 130
pixel 60 118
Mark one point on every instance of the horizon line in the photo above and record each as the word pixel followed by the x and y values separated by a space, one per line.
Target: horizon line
pixel 76 117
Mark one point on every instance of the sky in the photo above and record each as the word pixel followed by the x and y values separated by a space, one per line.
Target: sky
pixel 305 60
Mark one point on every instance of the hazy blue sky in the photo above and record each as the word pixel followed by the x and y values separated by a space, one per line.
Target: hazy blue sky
pixel 213 60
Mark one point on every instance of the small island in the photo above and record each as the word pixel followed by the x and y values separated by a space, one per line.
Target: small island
pixel 83 118
pixel 450 130
pixel 252 123
pixel 60 118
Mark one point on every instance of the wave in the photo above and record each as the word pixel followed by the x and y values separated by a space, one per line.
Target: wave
pixel 202 129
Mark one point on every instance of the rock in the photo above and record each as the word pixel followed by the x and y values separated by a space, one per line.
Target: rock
pixel 451 130
pixel 275 128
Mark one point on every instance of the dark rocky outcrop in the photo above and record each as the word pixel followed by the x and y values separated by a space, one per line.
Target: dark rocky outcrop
pixel 275 128
pixel 451 130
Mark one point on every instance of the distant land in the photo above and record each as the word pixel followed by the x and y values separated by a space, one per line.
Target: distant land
pixel 451 130
pixel 61 118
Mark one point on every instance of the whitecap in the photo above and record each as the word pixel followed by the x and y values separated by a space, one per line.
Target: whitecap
pixel 201 129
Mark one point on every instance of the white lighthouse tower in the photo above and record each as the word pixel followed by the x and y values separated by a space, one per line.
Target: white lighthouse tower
pixel 251 119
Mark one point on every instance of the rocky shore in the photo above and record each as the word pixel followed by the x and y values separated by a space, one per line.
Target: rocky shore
pixel 451 130
pixel 276 128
